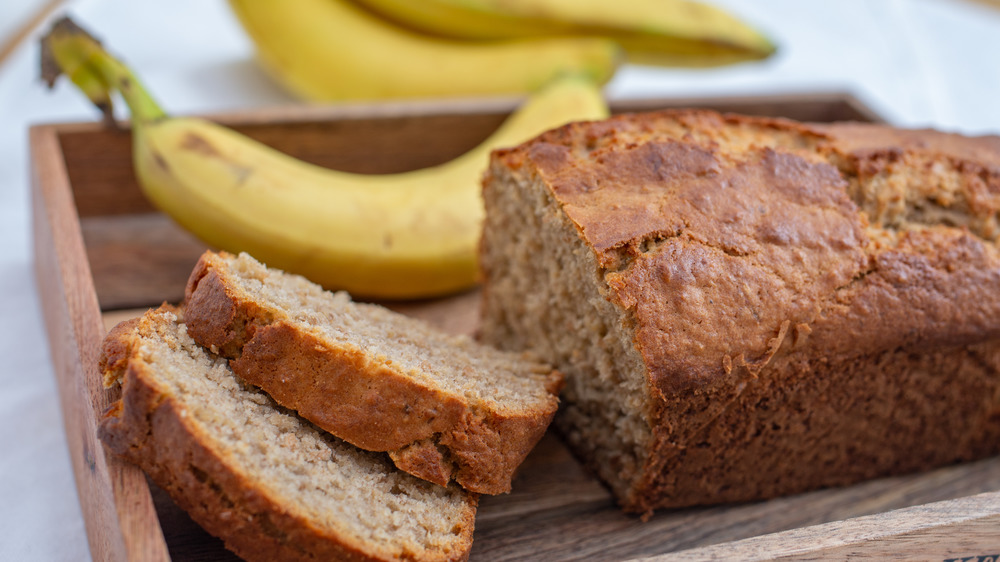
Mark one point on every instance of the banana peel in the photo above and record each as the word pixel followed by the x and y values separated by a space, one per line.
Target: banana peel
pixel 333 50
pixel 664 32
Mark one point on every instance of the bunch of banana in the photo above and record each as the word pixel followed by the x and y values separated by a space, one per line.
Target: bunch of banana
pixel 670 32
pixel 404 235
pixel 327 50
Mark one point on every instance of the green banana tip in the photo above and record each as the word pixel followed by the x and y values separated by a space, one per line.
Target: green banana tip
pixel 765 46
pixel 70 50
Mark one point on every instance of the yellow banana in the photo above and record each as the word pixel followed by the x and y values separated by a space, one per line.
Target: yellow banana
pixel 670 32
pixel 404 235
pixel 325 50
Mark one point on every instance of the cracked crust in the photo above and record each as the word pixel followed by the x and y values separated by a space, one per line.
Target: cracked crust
pixel 178 443
pixel 754 270
pixel 373 401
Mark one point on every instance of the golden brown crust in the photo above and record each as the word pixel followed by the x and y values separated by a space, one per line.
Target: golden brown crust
pixel 215 316
pixel 860 138
pixel 114 358
pixel 818 422
pixel 150 427
pixel 768 236
pixel 762 281
pixel 357 397
pixel 335 386
pixel 423 459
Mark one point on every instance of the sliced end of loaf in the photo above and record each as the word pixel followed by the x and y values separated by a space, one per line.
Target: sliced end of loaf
pixel 267 482
pixel 545 293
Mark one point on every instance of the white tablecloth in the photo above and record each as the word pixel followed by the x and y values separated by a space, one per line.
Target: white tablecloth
pixel 917 62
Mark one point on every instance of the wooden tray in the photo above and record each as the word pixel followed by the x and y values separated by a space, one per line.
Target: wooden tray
pixel 102 251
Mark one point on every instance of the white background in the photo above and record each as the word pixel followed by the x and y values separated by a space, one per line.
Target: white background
pixel 917 62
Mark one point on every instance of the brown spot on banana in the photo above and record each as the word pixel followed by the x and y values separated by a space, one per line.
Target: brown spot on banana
pixel 161 161
pixel 199 144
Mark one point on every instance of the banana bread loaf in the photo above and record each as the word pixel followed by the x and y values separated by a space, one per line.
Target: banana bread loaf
pixel 444 407
pixel 267 482
pixel 749 307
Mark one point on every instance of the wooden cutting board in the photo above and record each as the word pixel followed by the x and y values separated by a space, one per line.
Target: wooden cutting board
pixel 102 252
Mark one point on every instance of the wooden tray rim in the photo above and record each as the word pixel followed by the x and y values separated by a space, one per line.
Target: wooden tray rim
pixel 115 498
pixel 302 113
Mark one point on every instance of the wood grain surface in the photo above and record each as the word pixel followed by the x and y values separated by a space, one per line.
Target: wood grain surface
pixel 967 530
pixel 104 255
pixel 117 507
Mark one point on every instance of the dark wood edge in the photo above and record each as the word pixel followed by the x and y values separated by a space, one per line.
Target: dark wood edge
pixel 864 109
pixel 749 101
pixel 303 113
pixel 114 497
pixel 960 528
pixel 492 105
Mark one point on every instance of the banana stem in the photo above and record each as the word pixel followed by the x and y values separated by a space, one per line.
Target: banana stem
pixel 69 49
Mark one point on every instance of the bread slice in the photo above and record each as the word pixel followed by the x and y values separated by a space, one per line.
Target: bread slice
pixel 264 480
pixel 444 407
pixel 748 307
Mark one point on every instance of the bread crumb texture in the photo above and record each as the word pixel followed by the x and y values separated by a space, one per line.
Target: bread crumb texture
pixel 457 364
pixel 746 307
pixel 263 479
